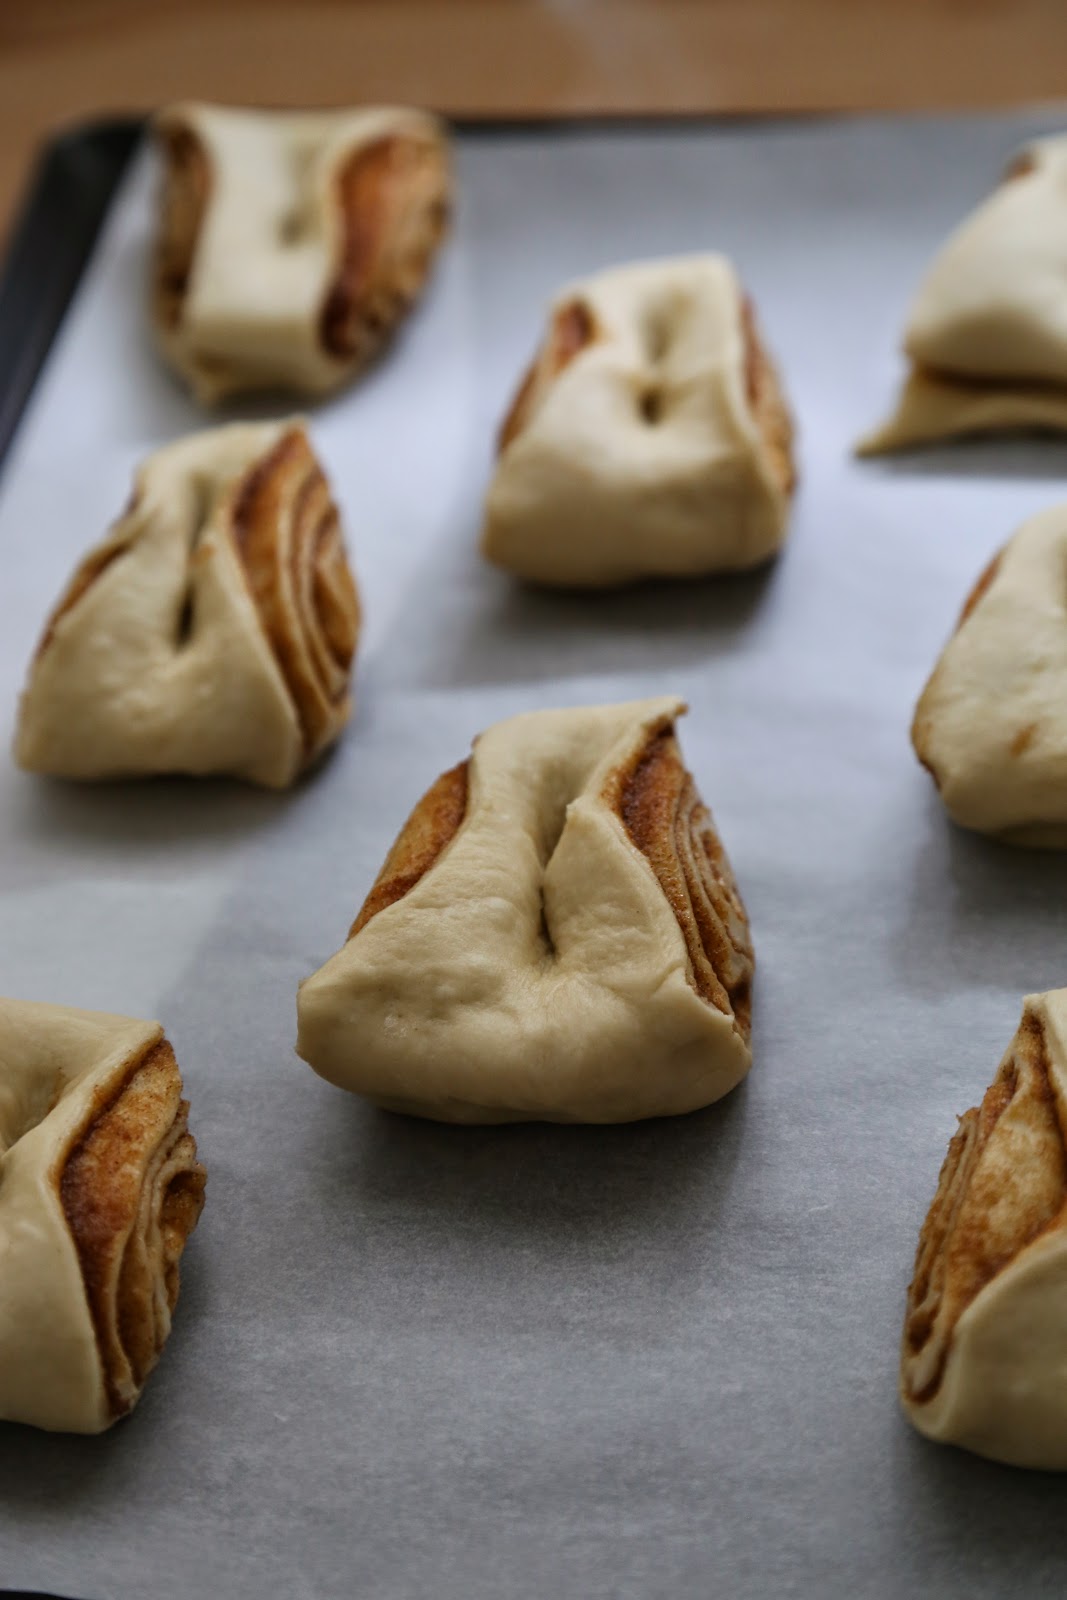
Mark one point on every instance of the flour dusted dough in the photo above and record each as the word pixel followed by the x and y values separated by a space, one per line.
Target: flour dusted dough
pixel 991 724
pixel 291 244
pixel 555 935
pixel 984 1357
pixel 99 1189
pixel 212 631
pixel 650 437
pixel 987 333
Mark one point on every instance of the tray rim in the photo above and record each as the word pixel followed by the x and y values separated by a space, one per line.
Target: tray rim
pixel 66 199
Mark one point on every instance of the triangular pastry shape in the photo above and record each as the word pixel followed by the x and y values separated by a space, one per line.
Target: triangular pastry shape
pixel 991 724
pixel 100 1188
pixel 987 333
pixel 292 244
pixel 555 935
pixel 212 631
pixel 984 1355
pixel 650 437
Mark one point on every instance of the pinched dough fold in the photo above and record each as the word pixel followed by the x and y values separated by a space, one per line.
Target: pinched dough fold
pixel 292 244
pixel 556 935
pixel 649 438
pixel 213 630
pixel 100 1188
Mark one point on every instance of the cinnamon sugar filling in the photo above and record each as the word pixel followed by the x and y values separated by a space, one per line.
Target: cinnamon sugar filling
pixel 186 190
pixel 132 1191
pixel 393 199
pixel 432 826
pixel 665 818
pixel 288 536
pixel 985 1212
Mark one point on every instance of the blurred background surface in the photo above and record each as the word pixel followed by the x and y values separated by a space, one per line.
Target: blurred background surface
pixel 62 61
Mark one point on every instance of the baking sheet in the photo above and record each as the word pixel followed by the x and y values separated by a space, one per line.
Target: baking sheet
pixel 639 1362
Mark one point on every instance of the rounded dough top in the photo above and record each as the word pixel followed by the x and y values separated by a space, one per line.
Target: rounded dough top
pixel 993 304
pixel 991 724
pixel 536 961
pixel 650 437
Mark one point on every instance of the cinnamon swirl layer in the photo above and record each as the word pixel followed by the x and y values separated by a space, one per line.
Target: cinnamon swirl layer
pixel 186 191
pixel 132 1192
pixel 985 1330
pixel 288 535
pixel 669 823
pixel 393 200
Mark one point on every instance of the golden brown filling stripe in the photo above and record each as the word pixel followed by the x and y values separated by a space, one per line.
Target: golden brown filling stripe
pixel 665 818
pixel 132 1191
pixel 572 328
pixel 186 189
pixel 432 825
pixel 288 536
pixel 391 199
pixel 1002 1184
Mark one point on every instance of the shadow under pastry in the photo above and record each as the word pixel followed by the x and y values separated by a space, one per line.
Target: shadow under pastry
pixel 967 890
pixel 522 633
pixel 1025 456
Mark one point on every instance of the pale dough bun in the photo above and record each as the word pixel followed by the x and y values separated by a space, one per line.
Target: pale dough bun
pixel 556 935
pixel 100 1188
pixel 984 1356
pixel 650 438
pixel 991 724
pixel 987 333
pixel 292 244
pixel 213 630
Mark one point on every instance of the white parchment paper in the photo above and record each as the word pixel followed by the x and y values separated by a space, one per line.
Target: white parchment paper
pixel 655 1361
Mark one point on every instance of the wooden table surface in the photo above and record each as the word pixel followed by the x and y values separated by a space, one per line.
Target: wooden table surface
pixel 65 60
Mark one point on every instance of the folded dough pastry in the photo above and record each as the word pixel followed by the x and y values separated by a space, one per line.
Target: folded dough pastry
pixel 991 724
pixel 650 437
pixel 555 935
pixel 99 1190
pixel 214 628
pixel 987 332
pixel 984 1357
pixel 292 244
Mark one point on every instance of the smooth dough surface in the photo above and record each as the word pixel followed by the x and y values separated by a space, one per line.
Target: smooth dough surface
pixel 213 629
pixel 987 332
pixel 642 454
pixel 991 723
pixel 984 1356
pixel 932 407
pixel 529 960
pixel 272 232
